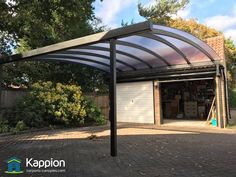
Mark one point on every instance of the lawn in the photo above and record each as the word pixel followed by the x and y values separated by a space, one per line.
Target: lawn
pixel 232 121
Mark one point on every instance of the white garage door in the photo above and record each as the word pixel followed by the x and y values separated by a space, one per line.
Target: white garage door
pixel 135 102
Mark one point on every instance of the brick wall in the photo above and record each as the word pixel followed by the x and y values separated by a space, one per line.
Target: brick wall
pixel 217 44
pixel 157 103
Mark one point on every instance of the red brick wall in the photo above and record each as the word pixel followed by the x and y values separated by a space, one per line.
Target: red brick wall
pixel 217 44
pixel 157 103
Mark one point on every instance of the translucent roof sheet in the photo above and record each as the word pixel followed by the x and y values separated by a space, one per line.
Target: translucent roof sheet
pixel 138 47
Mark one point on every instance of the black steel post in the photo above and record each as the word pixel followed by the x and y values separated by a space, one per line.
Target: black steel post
pixel 0 88
pixel 113 125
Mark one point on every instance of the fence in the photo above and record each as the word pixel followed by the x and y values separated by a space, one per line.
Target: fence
pixel 9 97
pixel 102 101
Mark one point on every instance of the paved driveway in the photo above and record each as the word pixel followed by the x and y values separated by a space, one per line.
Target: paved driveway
pixel 142 151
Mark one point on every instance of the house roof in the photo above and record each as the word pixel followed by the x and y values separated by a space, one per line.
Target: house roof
pixel 13 159
pixel 143 46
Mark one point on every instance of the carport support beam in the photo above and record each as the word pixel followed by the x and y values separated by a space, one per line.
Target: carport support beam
pixel 112 91
pixel 1 88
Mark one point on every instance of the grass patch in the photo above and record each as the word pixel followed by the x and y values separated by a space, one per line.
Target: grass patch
pixel 232 126
pixel 232 121
pixel 232 98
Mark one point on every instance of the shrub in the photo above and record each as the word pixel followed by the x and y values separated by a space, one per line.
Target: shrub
pixel 20 126
pixel 94 114
pixel 54 104
pixel 50 103
pixel 4 127
pixel 232 98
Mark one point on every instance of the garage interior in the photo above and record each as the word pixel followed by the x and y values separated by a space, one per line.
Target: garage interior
pixel 187 100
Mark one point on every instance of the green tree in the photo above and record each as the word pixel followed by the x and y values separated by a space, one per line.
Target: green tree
pixel 24 74
pixel 192 26
pixel 32 24
pixel 162 11
pixel 42 23
pixel 230 51
pixel 124 24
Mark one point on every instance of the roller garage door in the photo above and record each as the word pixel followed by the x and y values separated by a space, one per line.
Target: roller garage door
pixel 135 102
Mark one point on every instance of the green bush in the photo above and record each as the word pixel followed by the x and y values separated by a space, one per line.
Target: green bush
pixel 54 104
pixel 94 114
pixel 232 98
pixel 20 126
pixel 4 127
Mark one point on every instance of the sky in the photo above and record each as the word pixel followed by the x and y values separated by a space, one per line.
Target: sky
pixel 219 14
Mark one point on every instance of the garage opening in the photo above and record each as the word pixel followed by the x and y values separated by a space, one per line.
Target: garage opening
pixel 187 100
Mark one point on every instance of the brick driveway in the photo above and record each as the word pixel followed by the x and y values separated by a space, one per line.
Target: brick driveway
pixel 142 151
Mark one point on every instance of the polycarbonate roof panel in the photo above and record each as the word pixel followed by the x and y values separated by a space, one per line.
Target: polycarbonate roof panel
pixel 142 55
pixel 184 36
pixel 138 47
pixel 148 49
pixel 192 53
pixel 120 58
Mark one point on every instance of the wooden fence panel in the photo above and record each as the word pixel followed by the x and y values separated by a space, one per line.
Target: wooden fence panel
pixel 9 97
pixel 102 101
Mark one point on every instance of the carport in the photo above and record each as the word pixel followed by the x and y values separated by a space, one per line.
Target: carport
pixel 140 52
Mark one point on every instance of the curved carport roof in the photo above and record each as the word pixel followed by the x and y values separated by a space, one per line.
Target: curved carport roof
pixel 131 49
pixel 143 46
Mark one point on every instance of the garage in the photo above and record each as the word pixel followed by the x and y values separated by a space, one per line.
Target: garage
pixel 195 92
pixel 174 99
pixel 187 100
pixel 135 102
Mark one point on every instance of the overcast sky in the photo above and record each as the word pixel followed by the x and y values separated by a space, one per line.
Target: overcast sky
pixel 220 14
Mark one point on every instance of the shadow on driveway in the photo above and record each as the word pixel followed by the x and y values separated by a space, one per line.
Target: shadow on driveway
pixel 142 151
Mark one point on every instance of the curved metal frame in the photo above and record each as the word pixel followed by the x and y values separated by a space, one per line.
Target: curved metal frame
pixel 117 51
pixel 160 39
pixel 70 61
pixel 96 55
pixel 128 44
pixel 77 58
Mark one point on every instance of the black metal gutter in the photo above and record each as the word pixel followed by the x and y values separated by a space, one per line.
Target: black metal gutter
pixel 168 74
